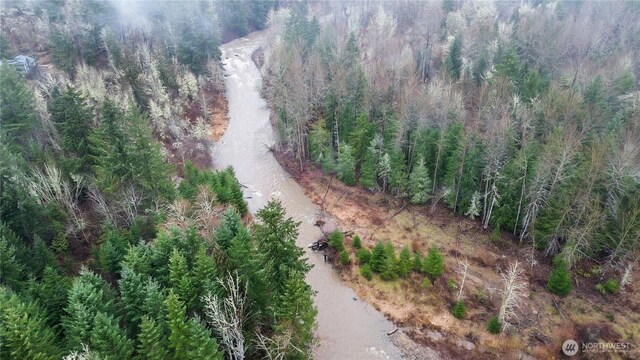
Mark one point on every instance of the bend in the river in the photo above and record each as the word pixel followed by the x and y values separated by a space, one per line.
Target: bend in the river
pixel 347 328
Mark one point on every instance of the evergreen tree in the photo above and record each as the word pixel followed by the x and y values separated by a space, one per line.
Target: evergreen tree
pixel 179 332
pixel 494 325
pixel 235 17
pixel 344 257
pixel 433 264
pixel 378 257
pixel 228 228
pixel 346 165
pixel 389 269
pixel 152 343
pixel 459 310
pixel 559 280
pixel 88 296
pixel 109 144
pixel 139 258
pixel 416 265
pixel 368 178
pixel 73 118
pixel 237 196
pixel 404 262
pixel 295 314
pixel 398 181
pixel 365 270
pixel 453 60
pixel 161 252
pixel 24 333
pixel 364 256
pixel 276 241
pixel 132 295
pixel 199 42
pixel 16 106
pixel 420 183
pixel 203 275
pixel 469 180
pixel 113 249
pixel 51 293
pixel 203 345
pixel 109 340
pixel 360 137
pixel 150 169
pixel 319 141
pixel 259 10
pixel 508 64
pixel 384 170
pixel 41 257
pixel 336 240
pixel 180 278
pixel 154 302
pixel 532 85
pixel 11 270
pixel 454 161
pixel 357 243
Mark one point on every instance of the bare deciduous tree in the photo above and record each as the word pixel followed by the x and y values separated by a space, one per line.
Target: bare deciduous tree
pixel 227 315
pixel 513 293
pixel 49 186
pixel 276 347
pixel 206 212
pixel 464 269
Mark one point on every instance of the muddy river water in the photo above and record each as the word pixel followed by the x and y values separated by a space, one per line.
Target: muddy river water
pixel 347 327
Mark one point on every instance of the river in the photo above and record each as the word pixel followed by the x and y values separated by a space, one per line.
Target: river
pixel 347 328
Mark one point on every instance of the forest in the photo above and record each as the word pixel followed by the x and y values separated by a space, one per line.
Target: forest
pixel 476 164
pixel 118 240
pixel 488 162
pixel 509 113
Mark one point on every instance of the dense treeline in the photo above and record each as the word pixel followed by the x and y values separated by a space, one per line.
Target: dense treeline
pixel 112 243
pixel 523 115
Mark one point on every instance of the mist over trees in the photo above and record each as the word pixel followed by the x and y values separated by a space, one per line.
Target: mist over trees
pixel 522 115
pixel 113 243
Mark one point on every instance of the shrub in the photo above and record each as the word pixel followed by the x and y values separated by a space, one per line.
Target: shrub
pixel 559 281
pixel 610 286
pixel 494 325
pixel 336 240
pixel 433 265
pixel 364 256
pixel 366 272
pixel 459 310
pixel 344 257
pixel 357 243
pixel 453 286
pixel 426 283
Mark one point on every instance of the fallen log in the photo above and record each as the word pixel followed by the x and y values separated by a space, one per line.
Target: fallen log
pixel 392 332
